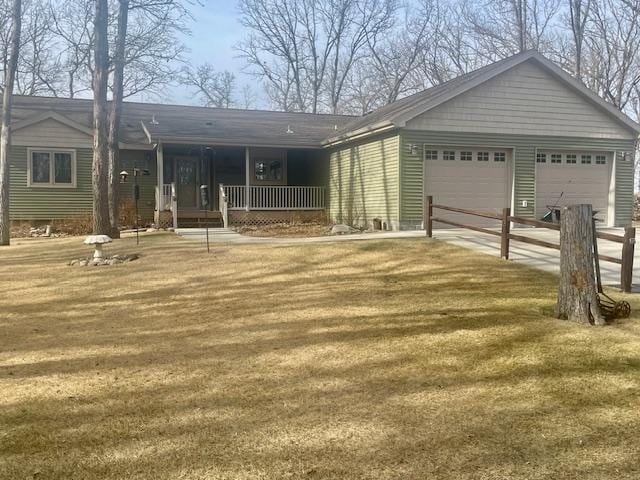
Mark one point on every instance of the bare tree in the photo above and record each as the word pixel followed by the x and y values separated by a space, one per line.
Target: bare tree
pixel 11 66
pixel 145 58
pixel 215 89
pixel 305 50
pixel 100 177
pixel 71 22
pixel 119 59
pixel 398 56
pixel 614 47
pixel 37 71
pixel 249 97
pixel 579 14
pixel 505 27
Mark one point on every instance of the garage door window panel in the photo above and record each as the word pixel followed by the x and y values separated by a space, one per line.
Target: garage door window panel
pixel 475 182
pixel 585 179
pixel 431 155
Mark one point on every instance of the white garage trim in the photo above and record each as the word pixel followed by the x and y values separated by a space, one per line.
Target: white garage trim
pixel 570 165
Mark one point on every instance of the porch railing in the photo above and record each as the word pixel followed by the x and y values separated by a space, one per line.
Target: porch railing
pixel 223 206
pixel 164 197
pixel 275 197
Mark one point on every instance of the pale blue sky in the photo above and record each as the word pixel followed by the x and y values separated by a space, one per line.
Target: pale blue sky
pixel 215 30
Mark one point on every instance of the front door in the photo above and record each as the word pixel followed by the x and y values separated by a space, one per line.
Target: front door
pixel 187 170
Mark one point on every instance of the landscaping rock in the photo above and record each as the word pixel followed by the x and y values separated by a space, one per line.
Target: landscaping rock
pixel 105 261
pixel 341 229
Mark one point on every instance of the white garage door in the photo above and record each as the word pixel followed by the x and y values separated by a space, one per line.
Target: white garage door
pixel 565 178
pixel 471 178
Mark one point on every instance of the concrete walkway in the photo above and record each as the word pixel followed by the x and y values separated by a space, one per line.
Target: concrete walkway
pixel 538 257
pixel 223 235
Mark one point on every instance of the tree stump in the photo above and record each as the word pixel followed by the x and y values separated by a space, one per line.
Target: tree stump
pixel 577 295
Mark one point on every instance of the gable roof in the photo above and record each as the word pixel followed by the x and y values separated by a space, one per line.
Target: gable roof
pixel 146 123
pixel 398 113
pixel 50 115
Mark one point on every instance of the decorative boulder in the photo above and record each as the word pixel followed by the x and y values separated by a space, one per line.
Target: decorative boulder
pixel 340 229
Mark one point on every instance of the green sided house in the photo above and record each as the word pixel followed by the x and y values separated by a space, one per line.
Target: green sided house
pixel 519 133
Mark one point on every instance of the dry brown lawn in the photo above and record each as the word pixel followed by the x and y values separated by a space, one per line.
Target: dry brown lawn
pixel 396 359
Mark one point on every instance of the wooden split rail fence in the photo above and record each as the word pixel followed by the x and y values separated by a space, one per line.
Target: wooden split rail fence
pixel 506 219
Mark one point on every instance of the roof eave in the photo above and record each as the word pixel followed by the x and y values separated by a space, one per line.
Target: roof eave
pixel 212 141
pixel 359 133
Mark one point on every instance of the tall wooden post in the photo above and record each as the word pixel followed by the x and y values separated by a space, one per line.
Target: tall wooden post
pixel 506 230
pixel 577 297
pixel 628 250
pixel 427 213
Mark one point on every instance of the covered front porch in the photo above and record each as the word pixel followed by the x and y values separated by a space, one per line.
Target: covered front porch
pixel 223 185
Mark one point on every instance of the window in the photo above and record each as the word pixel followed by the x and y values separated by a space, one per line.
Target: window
pixel 466 156
pixel 541 158
pixel 556 158
pixel 431 155
pixel 499 156
pixel 601 160
pixel 49 168
pixel 585 159
pixel 268 170
pixel 483 156
pixel 571 158
pixel 448 155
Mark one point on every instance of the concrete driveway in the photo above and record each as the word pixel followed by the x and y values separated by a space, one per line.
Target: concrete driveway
pixel 540 257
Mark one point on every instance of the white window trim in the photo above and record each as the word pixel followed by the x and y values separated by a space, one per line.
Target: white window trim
pixel 51 152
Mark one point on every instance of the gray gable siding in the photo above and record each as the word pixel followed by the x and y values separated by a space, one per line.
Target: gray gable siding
pixel 51 133
pixel 524 100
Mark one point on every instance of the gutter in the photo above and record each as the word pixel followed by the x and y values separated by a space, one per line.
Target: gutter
pixel 359 134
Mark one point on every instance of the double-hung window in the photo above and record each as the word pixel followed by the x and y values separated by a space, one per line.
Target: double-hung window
pixel 51 168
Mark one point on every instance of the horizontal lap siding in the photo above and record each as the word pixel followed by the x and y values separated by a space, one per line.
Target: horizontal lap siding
pixel 624 189
pixel 364 180
pixel 524 164
pixel 43 203
pixel 525 100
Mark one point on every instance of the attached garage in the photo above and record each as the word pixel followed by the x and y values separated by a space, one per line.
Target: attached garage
pixel 471 178
pixel 561 144
pixel 571 177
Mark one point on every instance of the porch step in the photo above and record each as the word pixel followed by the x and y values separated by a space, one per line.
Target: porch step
pixel 200 232
pixel 199 222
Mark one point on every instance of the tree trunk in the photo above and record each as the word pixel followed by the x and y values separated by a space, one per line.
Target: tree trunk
pixel 100 178
pixel 577 297
pixel 114 118
pixel 5 126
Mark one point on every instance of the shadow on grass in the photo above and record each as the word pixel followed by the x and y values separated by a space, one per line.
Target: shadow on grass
pixel 390 359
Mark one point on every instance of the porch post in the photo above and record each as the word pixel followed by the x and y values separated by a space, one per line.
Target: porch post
pixel 247 160
pixel 159 181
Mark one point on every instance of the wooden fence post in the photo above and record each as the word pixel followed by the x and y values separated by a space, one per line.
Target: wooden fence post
pixel 626 269
pixel 427 213
pixel 506 230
